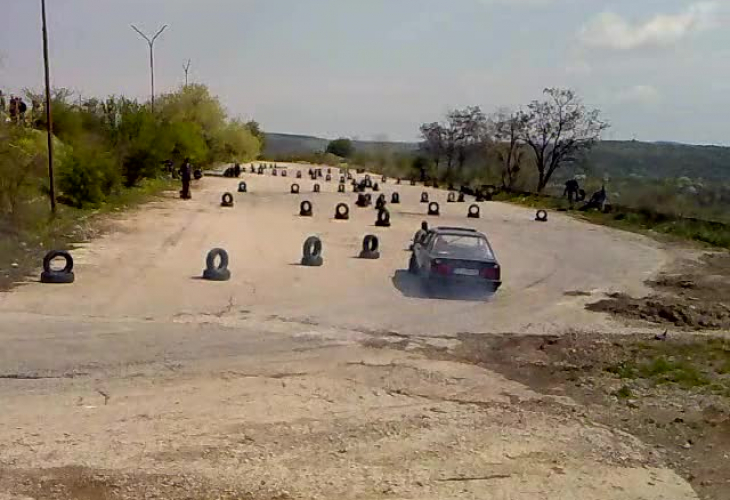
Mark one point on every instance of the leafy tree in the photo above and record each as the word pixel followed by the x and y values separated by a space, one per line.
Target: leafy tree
pixel 559 129
pixel 344 148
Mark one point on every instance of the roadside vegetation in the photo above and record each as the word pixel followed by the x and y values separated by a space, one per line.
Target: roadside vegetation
pixel 109 154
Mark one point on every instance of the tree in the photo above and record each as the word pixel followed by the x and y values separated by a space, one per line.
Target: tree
pixel 341 147
pixel 508 131
pixel 434 142
pixel 455 141
pixel 558 130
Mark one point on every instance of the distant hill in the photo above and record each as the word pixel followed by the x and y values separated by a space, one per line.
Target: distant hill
pixel 287 144
pixel 617 159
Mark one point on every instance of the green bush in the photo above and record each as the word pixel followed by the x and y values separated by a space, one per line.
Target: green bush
pixel 88 176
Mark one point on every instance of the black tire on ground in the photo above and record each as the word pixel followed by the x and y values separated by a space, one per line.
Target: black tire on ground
pixel 461 198
pixel 261 170
pixel 295 188
pixel 376 188
pixel 57 277
pixel 434 209
pixel 54 254
pixel 299 174
pixel 369 199
pixel 424 197
pixel 383 219
pixel 341 188
pixel 361 201
pixel 316 188
pixel 395 198
pixel 383 179
pixel 227 200
pixel 451 198
pixel 474 212
pixel 370 246
pixel 219 271
pixel 342 212
pixel 274 173
pixel 305 209
pixel 380 202
pixel 284 173
pixel 312 252
pixel 398 180
pixel 197 174
pixel 242 187
pixel 541 216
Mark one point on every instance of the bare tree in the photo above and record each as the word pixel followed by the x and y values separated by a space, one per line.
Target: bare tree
pixel 509 146
pixel 559 129
pixel 467 132
pixel 434 142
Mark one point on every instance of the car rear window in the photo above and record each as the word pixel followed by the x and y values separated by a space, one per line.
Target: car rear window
pixel 457 246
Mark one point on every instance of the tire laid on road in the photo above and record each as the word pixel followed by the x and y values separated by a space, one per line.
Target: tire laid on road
pixel 197 174
pixel 227 200
pixel 461 198
pixel 383 219
pixel 299 174
pixel 380 202
pixel 341 188
pixel 424 197
pixel 63 276
pixel 294 189
pixel 395 198
pixel 434 209
pixel 342 212
pixel 316 188
pixel 451 198
pixel 376 188
pixel 242 187
pixel 362 201
pixel 312 252
pixel 305 209
pixel 217 272
pixel 370 247
pixel 541 216
pixel 474 212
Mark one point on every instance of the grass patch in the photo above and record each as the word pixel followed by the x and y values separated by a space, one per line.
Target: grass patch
pixel 624 392
pixel 698 364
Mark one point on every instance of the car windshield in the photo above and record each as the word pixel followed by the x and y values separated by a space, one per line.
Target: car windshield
pixel 457 246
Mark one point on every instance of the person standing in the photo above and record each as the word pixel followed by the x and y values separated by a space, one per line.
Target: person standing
pixel 186 174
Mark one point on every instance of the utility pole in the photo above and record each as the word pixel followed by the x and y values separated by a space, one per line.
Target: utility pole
pixel 186 68
pixel 49 114
pixel 151 43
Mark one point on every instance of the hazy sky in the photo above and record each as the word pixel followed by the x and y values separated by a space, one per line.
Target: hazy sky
pixel 660 69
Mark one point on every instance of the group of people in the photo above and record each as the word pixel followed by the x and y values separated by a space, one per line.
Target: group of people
pixel 15 108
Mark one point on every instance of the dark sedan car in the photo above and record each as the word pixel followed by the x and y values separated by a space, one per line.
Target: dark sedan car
pixel 455 257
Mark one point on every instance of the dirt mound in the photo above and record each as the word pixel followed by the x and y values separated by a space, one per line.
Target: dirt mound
pixel 696 297
pixel 657 309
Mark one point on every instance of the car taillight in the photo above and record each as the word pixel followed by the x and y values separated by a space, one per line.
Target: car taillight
pixel 491 273
pixel 438 267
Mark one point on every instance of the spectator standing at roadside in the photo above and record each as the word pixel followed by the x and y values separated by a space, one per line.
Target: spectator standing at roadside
pixel 3 104
pixel 22 108
pixel 186 173
pixel 13 109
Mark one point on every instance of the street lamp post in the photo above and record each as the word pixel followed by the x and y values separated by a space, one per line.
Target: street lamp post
pixel 49 114
pixel 151 42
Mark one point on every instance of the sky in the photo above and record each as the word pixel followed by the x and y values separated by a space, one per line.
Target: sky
pixel 658 69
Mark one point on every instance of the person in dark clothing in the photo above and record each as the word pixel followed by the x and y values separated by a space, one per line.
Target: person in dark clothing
pixel 22 108
pixel 186 173
pixel 571 190
pixel 237 170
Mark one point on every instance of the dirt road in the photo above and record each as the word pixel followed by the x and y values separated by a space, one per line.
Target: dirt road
pixel 143 381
